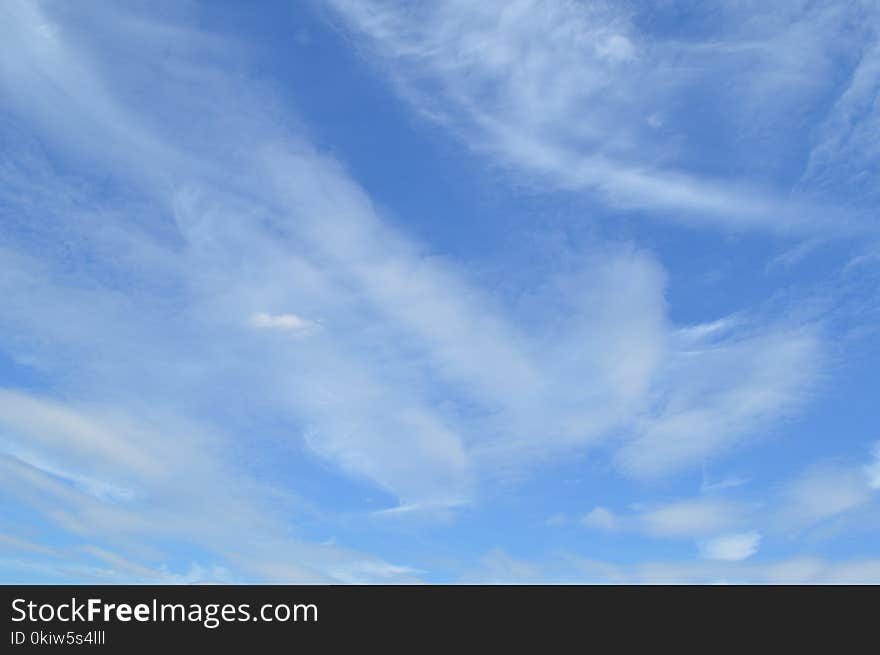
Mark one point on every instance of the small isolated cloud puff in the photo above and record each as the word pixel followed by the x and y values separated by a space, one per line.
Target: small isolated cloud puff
pixel 731 547
pixel 692 517
pixel 286 322
pixel 688 518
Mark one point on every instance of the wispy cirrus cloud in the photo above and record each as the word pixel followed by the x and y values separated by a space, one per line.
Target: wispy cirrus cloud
pixel 846 151
pixel 724 384
pixel 730 524
pixel 191 496
pixel 383 300
pixel 823 493
pixel 585 96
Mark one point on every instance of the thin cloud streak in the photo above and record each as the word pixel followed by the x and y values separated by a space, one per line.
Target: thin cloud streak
pixel 570 96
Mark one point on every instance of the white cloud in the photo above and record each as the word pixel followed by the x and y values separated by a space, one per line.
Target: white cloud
pixel 89 563
pixel 715 392
pixel 824 493
pixel 616 48
pixel 690 518
pixel 811 499
pixel 286 322
pixel 192 496
pixel 600 518
pixel 359 412
pixel 500 567
pixel 847 148
pixel 375 572
pixel 26 422
pixel 795 570
pixel 559 92
pixel 407 326
pixel 686 518
pixel 731 547
pixel 728 482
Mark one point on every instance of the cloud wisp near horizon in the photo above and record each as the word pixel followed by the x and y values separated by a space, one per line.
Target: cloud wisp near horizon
pixel 360 291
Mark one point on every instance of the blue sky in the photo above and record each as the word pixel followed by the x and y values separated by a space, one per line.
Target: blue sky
pixel 364 291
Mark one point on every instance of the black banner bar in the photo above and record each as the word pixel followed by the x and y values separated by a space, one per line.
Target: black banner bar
pixel 153 618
